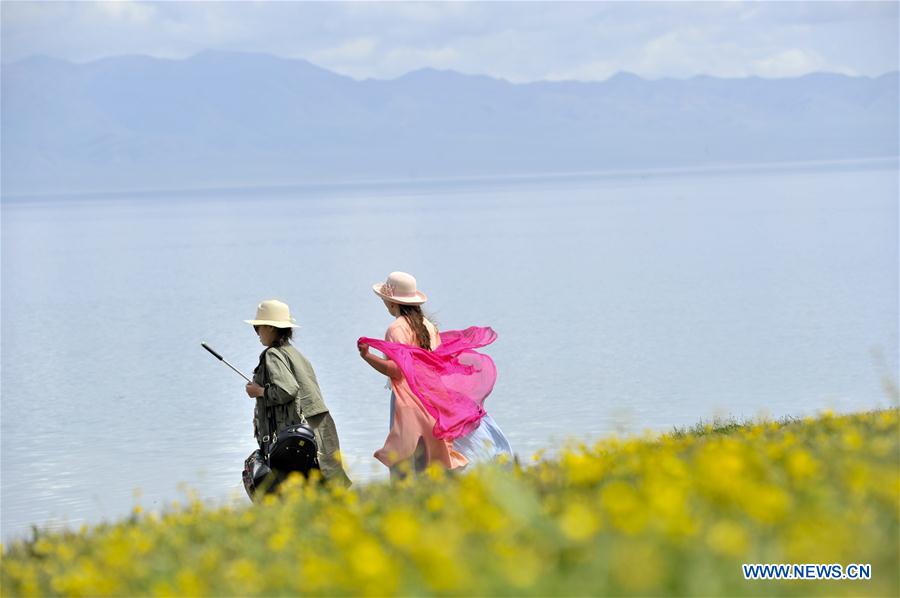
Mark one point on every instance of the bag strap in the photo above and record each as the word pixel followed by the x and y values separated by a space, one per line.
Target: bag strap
pixel 268 439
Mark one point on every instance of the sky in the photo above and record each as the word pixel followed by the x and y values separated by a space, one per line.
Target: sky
pixel 519 42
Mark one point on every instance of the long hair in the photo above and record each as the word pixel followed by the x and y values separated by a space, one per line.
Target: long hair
pixel 416 319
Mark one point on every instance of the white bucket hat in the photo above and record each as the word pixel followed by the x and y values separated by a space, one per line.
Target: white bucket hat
pixel 400 287
pixel 273 312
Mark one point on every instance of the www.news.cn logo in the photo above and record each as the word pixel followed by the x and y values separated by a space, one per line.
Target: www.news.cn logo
pixel 807 571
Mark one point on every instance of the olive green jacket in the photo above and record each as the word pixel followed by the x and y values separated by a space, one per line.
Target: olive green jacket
pixel 291 394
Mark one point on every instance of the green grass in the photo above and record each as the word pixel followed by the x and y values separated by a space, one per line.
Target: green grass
pixel 722 425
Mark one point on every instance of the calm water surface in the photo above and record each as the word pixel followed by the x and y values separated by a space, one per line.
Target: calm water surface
pixel 621 305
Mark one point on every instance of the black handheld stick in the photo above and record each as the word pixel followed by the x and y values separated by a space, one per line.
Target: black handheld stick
pixel 223 360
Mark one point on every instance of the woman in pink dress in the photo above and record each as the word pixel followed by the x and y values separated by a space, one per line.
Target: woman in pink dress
pixel 438 382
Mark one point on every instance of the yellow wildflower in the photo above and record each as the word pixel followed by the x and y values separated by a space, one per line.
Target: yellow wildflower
pixel 579 522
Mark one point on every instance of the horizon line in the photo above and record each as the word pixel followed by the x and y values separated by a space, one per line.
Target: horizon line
pixel 726 168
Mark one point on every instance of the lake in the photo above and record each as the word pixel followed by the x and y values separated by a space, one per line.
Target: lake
pixel 622 303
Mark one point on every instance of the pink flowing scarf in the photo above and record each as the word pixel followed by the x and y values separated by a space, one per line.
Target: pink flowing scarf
pixel 452 381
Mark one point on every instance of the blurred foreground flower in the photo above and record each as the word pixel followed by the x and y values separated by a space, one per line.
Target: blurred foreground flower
pixel 677 514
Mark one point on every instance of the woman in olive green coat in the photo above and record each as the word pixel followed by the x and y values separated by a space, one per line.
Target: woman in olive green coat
pixel 285 388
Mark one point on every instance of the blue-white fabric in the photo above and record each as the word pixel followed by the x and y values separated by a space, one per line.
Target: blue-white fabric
pixel 485 443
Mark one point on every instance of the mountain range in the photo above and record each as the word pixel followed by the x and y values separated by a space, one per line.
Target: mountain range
pixel 221 119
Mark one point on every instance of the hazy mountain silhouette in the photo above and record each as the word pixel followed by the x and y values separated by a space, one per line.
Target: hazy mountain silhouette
pixel 221 119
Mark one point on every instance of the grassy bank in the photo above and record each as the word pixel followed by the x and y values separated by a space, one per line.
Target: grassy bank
pixel 676 514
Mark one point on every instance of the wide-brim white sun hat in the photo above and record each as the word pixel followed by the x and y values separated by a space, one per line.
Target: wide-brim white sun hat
pixel 273 312
pixel 400 287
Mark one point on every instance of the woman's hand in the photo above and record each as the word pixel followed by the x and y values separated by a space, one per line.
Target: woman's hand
pixel 254 390
pixel 381 364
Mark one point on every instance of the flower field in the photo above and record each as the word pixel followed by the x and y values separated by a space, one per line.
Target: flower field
pixel 675 514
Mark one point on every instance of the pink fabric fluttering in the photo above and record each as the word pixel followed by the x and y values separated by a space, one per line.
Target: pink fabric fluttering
pixel 452 381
